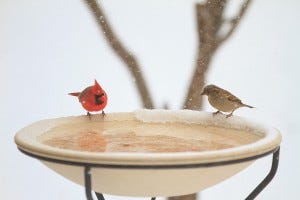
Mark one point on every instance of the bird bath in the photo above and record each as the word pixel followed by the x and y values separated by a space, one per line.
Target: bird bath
pixel 148 152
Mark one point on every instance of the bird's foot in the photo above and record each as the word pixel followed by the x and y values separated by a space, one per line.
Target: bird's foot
pixel 229 115
pixel 215 113
pixel 89 115
pixel 103 114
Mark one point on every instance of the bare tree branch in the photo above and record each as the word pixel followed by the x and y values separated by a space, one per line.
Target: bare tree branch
pixel 235 21
pixel 122 52
pixel 209 17
pixel 209 21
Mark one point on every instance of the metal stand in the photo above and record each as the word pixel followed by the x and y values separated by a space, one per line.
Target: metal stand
pixel 252 195
pixel 88 178
pixel 268 178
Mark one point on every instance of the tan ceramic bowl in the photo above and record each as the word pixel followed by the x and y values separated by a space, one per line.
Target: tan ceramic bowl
pixel 148 152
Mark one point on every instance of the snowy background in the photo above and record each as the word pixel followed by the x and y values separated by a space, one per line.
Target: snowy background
pixel 49 48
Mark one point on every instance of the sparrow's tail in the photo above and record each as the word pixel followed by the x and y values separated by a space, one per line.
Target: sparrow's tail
pixel 245 105
pixel 76 94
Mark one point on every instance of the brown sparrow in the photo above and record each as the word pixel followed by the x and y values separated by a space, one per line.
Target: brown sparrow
pixel 222 100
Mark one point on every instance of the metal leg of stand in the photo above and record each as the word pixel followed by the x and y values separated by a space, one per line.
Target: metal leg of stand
pixel 268 178
pixel 99 196
pixel 88 183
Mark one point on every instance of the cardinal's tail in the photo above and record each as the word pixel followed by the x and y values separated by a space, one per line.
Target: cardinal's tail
pixel 75 94
pixel 248 106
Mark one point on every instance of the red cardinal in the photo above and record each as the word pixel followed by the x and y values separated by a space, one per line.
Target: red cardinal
pixel 92 98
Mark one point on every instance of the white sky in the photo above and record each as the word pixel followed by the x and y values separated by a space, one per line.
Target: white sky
pixel 49 48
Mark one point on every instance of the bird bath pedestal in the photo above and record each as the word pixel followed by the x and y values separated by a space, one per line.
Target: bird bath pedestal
pixel 150 152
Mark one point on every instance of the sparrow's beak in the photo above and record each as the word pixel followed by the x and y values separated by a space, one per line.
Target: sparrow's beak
pixel 202 93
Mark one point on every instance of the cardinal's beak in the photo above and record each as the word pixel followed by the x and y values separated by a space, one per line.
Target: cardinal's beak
pixel 96 83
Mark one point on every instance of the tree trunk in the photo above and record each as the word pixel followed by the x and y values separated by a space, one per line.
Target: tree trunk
pixel 184 197
pixel 209 20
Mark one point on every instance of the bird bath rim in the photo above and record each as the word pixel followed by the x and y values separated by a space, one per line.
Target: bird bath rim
pixel 27 142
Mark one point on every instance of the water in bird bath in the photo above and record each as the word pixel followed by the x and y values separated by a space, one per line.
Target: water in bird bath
pixel 133 135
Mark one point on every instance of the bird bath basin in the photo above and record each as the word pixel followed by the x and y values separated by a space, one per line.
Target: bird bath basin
pixel 148 152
